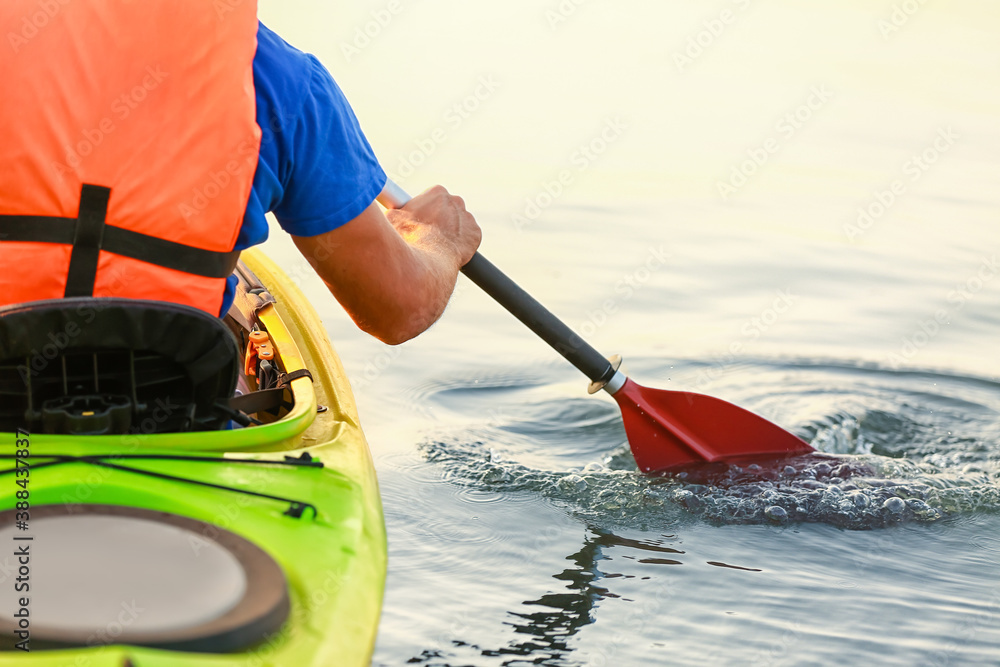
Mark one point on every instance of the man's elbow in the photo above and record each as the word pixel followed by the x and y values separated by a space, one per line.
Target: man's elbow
pixel 398 331
pixel 395 337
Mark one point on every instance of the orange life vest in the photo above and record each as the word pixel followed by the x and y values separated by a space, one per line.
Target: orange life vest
pixel 128 146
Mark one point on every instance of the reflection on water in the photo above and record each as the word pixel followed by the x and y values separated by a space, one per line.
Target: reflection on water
pixel 896 450
pixel 544 635
pixel 875 220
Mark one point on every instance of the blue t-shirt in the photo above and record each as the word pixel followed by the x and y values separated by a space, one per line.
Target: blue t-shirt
pixel 316 169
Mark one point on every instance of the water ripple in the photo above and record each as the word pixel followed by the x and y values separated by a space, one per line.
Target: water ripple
pixel 897 448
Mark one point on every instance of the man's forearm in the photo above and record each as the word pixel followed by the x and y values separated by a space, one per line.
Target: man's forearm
pixel 394 278
pixel 412 292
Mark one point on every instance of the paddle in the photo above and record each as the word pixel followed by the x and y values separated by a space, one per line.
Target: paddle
pixel 665 429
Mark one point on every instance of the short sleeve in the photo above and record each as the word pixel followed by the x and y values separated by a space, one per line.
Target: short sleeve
pixel 316 170
pixel 333 174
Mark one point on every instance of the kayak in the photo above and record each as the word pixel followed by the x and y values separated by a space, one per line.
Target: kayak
pixel 260 541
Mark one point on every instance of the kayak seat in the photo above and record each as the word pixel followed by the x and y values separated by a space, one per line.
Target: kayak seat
pixel 96 366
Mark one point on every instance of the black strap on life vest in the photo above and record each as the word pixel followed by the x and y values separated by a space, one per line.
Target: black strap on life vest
pixel 89 233
pixel 87 239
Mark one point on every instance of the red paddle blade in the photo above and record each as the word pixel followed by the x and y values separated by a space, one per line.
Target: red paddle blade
pixel 667 429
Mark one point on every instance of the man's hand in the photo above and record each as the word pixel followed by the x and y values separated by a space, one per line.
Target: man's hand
pixel 395 279
pixel 437 218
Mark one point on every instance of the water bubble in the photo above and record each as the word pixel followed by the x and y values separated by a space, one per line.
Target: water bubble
pixel 689 499
pixel 609 499
pixel 917 505
pixel 894 505
pixel 860 500
pixel 572 483
pixel 495 477
pixel 789 470
pixel 775 513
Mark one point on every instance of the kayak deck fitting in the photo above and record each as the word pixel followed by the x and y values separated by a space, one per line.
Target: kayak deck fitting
pixel 262 545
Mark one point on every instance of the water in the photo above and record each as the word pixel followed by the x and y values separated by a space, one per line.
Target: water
pixel 834 270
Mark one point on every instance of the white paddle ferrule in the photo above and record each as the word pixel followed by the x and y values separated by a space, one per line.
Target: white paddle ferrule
pixel 616 382
pixel 393 196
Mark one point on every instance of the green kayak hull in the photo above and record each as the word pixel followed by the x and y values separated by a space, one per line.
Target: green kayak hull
pixel 332 555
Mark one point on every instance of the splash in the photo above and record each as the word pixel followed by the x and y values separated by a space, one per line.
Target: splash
pixel 899 448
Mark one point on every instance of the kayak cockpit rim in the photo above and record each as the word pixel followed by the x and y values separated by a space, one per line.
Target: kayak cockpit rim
pixel 268 436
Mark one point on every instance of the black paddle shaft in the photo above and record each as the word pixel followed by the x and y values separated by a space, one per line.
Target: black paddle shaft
pixel 522 305
pixel 538 318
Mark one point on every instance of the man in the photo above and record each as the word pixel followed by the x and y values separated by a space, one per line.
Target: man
pixel 394 277
pixel 137 161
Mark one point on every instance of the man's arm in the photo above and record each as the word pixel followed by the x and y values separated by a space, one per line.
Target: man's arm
pixel 394 272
